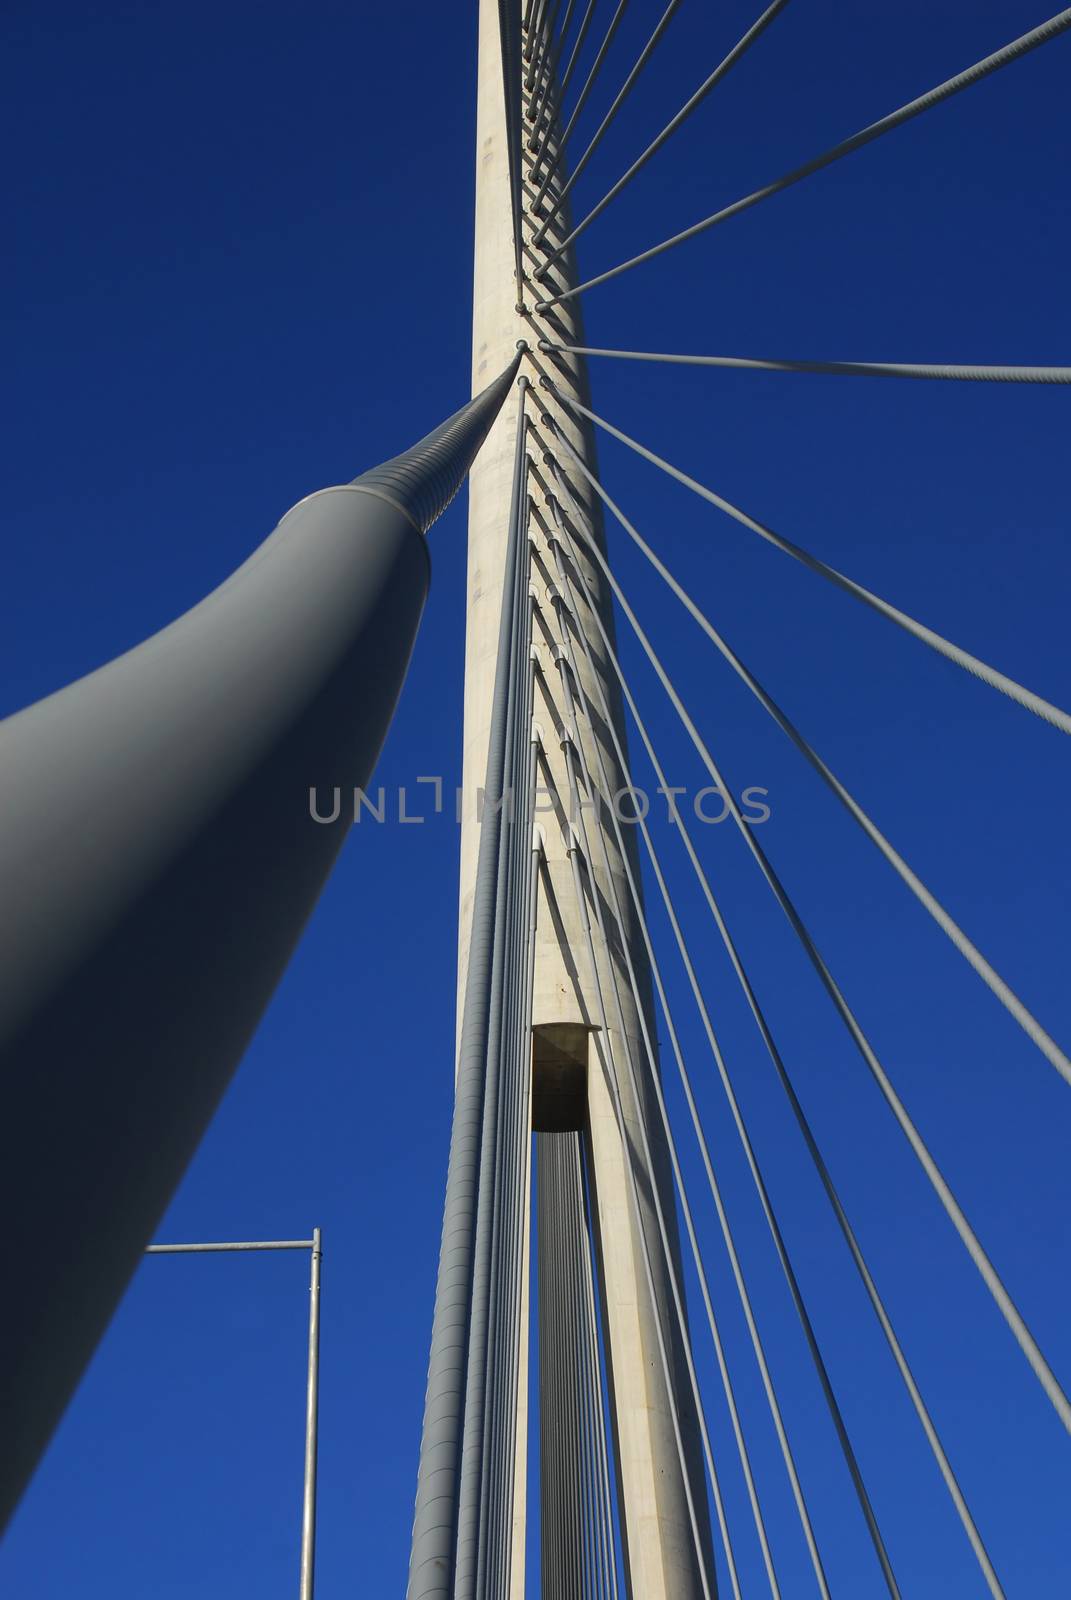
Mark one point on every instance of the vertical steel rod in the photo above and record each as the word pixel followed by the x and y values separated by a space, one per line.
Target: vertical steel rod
pixel 308 1510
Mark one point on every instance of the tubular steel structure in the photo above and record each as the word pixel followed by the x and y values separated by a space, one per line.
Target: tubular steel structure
pixel 139 948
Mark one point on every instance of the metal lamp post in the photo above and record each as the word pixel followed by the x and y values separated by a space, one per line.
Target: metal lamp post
pixel 312 1397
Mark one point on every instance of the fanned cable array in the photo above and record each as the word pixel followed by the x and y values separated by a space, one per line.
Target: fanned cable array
pixel 463 1516
pixel 590 1124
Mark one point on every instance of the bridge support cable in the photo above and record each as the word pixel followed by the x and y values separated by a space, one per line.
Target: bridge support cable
pixel 608 1066
pixel 716 1339
pixel 742 46
pixel 483 1365
pixel 723 1220
pixel 596 1534
pixel 578 45
pixel 510 1211
pixel 503 1209
pixel 510 46
pixel 547 1365
pixel 952 652
pixel 577 809
pixel 953 1210
pixel 439 1500
pixel 510 1055
pixel 542 45
pixel 581 99
pixel 537 85
pixel 506 1066
pixel 738 1119
pixel 618 101
pixel 607 1545
pixel 579 1560
pixel 540 148
pixel 540 93
pixel 811 1143
pixel 553 1501
pixel 943 91
pixel 600 1540
pixel 517 1310
pixel 533 28
pixel 579 1554
pixel 587 1502
pixel 851 369
pixel 573 1541
pixel 530 854
pixel 564 1528
pixel 479 1440
pixel 997 986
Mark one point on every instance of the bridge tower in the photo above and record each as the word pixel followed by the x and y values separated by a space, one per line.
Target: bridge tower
pixel 581 1166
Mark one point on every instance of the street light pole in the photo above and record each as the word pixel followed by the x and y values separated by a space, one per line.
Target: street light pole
pixel 308 1512
pixel 312 1400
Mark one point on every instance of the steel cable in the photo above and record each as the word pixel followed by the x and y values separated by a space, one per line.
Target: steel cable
pixel 553 56
pixel 521 801
pixel 510 47
pixel 726 1230
pixel 943 91
pixel 619 100
pixel 433 1553
pixel 953 1210
pixel 745 1140
pixel 1022 696
pixel 544 41
pixel 581 99
pixel 719 1351
pixel 810 1141
pixel 691 104
pixel 608 1555
pixel 577 809
pixel 853 369
pixel 578 45
pixel 602 1043
pixel 521 1158
pixel 944 920
pixel 480 1472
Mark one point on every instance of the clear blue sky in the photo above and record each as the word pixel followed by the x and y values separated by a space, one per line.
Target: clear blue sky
pixel 238 268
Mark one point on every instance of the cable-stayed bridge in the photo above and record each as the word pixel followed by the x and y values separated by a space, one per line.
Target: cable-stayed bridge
pixel 573 1291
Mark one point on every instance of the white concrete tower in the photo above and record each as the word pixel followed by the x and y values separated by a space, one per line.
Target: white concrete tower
pixel 656 1531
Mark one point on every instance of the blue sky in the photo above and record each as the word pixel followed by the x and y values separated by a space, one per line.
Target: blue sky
pixel 240 269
